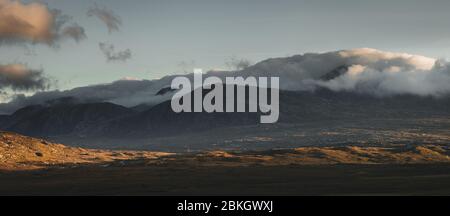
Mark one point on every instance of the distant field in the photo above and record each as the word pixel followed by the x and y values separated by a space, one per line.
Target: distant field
pixel 373 132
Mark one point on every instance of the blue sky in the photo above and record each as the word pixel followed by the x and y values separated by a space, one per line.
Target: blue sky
pixel 163 33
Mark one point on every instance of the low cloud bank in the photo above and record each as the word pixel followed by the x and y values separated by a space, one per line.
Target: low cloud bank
pixel 393 81
pixel 124 92
pixel 359 70
pixel 366 71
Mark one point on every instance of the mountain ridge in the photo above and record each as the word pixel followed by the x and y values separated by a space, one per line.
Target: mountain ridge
pixel 111 120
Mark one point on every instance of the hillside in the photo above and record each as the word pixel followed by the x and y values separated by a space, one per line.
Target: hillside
pixel 19 152
pixel 100 120
pixel 62 118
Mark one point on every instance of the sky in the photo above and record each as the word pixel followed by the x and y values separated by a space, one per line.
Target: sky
pixel 165 37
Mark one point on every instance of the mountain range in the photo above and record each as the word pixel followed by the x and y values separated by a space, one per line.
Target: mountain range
pixel 115 121
pixel 314 88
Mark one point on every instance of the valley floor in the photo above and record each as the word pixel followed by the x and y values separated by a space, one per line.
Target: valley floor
pixel 432 179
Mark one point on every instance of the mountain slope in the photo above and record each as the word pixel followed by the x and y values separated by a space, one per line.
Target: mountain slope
pixel 113 121
pixel 61 119
pixel 19 152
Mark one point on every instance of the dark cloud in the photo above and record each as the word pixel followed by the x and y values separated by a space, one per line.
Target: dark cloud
pixel 19 77
pixel 113 56
pixel 74 31
pixel 108 17
pixel 34 23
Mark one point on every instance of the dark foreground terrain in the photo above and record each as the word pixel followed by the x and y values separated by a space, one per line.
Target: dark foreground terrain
pixel 223 180
pixel 30 166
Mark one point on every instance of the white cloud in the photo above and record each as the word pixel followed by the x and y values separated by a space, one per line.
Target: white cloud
pixel 384 73
pixel 376 58
pixel 368 71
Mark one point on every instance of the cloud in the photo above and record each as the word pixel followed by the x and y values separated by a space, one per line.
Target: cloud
pixel 362 70
pixel 238 64
pixel 108 17
pixel 19 77
pixel 393 81
pixel 113 56
pixel 380 60
pixel 74 31
pixel 4 96
pixel 36 24
pixel 366 71
pixel 379 73
pixel 124 92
